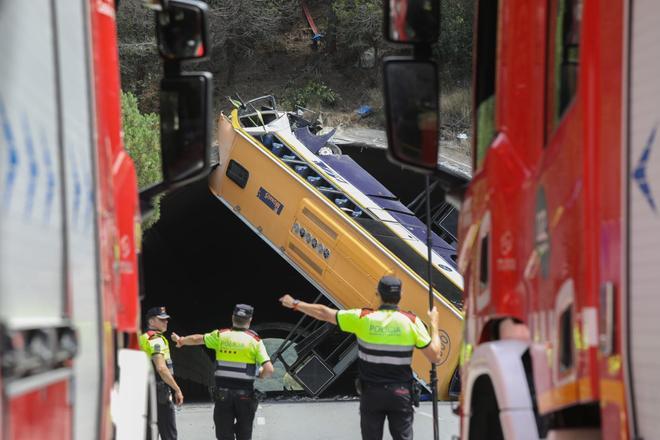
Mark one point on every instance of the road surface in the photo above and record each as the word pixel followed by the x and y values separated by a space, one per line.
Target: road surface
pixel 310 420
pixel 453 153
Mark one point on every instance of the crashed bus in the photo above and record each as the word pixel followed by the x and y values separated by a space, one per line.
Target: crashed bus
pixel 335 224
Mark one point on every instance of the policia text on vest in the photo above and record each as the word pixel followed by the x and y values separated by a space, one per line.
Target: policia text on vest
pixel 155 344
pixel 386 340
pixel 240 357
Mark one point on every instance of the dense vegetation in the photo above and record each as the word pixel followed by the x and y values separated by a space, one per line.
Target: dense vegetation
pixel 264 47
pixel 142 141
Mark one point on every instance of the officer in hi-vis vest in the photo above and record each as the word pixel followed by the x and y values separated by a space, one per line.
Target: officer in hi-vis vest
pixel 386 339
pixel 240 357
pixel 155 344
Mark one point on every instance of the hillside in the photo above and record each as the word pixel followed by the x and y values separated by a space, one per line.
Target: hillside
pixel 265 47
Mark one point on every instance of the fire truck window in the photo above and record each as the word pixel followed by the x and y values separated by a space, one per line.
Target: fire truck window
pixel 486 73
pixel 566 340
pixel 565 37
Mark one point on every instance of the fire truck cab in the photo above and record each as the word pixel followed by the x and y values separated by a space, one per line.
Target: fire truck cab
pixel 559 229
pixel 70 214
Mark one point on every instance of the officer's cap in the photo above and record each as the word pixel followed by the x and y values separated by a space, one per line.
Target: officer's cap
pixel 243 311
pixel 389 288
pixel 157 312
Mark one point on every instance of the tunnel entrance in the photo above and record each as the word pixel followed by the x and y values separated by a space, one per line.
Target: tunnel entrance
pixel 199 260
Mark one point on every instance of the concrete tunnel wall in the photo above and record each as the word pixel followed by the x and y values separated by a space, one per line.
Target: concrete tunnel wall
pixel 199 260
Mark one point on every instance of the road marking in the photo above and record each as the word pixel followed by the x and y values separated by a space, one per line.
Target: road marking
pixel 424 414
pixel 261 420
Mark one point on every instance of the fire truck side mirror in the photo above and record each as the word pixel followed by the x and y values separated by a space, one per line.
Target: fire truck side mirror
pixel 412 21
pixel 185 127
pixel 182 30
pixel 412 108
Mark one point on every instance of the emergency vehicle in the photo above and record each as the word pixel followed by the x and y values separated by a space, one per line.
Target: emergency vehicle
pixel 70 213
pixel 559 229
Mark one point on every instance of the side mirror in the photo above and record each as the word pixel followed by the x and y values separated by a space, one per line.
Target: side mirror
pixel 182 29
pixel 185 126
pixel 412 106
pixel 413 118
pixel 412 21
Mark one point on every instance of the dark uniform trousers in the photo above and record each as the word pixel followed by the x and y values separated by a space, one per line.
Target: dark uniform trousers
pixel 166 421
pixel 234 413
pixel 393 401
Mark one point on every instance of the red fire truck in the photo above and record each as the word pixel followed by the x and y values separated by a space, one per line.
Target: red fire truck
pixel 559 225
pixel 70 213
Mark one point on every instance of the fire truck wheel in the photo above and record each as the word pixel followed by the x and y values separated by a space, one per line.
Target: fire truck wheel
pixel 485 413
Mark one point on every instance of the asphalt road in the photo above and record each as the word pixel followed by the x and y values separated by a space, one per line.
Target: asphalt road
pixel 453 153
pixel 310 420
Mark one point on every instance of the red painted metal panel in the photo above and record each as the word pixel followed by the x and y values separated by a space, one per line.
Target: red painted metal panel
pixel 573 170
pixel 128 220
pixel 116 196
pixel 41 414
pixel 505 184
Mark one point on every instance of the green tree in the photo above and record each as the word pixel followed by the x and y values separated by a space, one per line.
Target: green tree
pixel 359 25
pixel 455 46
pixel 313 95
pixel 240 28
pixel 142 142
pixel 138 56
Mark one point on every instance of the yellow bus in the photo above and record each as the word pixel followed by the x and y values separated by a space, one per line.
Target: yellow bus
pixel 332 221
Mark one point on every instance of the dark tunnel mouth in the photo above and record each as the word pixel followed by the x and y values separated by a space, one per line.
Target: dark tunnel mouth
pixel 199 284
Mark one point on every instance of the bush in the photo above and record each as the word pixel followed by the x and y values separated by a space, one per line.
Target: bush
pixel 142 142
pixel 313 94
pixel 455 45
pixel 455 109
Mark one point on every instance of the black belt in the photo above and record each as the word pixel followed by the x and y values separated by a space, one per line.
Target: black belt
pixel 387 386
pixel 237 391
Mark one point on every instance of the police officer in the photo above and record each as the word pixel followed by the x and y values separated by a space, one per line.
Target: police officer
pixel 240 358
pixel 386 338
pixel 155 344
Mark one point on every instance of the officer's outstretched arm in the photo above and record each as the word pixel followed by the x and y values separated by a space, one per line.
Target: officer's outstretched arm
pixel 180 341
pixel 318 311
pixel 164 373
